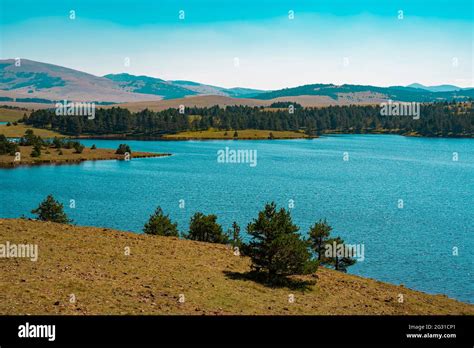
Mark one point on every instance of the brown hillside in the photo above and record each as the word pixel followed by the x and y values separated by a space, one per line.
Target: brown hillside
pixel 91 264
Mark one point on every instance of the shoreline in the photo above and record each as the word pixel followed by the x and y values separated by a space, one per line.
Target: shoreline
pixel 210 135
pixel 72 162
pixel 184 138
pixel 69 157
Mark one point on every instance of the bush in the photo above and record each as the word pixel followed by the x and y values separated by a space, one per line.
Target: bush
pixel 30 139
pixel 93 147
pixel 161 225
pixel 57 143
pixel 51 210
pixel 204 228
pixel 14 150
pixel 36 151
pixel 7 146
pixel 276 247
pixel 78 147
pixel 122 149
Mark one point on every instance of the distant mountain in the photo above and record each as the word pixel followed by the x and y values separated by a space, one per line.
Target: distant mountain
pixel 149 85
pixel 44 83
pixel 440 88
pixel 33 81
pixel 359 94
pixel 40 81
pixel 236 92
pixel 175 89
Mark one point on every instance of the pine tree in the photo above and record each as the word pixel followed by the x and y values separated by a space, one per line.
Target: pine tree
pixel 276 247
pixel 122 149
pixel 36 150
pixel 161 225
pixel 51 210
pixel 78 147
pixel 338 255
pixel 7 146
pixel 236 241
pixel 29 138
pixel 204 228
pixel 319 236
pixel 57 142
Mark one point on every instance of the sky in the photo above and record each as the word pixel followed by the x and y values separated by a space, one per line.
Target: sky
pixel 249 43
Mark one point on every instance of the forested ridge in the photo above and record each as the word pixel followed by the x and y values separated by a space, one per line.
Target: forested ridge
pixel 436 119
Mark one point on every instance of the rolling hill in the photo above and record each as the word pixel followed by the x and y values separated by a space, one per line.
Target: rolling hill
pixel 90 263
pixel 439 88
pixel 359 93
pixel 40 82
pixel 174 89
pixel 37 83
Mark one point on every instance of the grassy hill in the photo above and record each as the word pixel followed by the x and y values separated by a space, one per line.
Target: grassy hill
pixel 399 93
pixel 174 89
pixel 19 130
pixel 12 115
pixel 36 81
pixel 91 263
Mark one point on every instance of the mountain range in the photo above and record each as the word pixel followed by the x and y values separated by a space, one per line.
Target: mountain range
pixel 439 88
pixel 31 81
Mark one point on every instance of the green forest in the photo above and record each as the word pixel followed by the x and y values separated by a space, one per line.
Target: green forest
pixel 447 119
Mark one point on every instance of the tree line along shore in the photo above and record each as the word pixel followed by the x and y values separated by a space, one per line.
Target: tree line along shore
pixel 441 119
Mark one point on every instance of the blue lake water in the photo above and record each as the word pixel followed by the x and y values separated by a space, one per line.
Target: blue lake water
pixel 360 197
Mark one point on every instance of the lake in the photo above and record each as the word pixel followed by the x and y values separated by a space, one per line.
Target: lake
pixel 424 241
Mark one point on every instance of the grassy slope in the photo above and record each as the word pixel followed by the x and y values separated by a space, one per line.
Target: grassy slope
pixel 91 264
pixel 251 134
pixel 12 115
pixel 68 156
pixel 19 130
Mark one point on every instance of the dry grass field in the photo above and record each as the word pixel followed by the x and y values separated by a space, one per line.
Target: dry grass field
pixel 198 101
pixel 20 129
pixel 89 270
pixel 12 115
pixel 247 134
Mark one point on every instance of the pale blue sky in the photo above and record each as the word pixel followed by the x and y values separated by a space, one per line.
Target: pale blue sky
pixel 327 41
